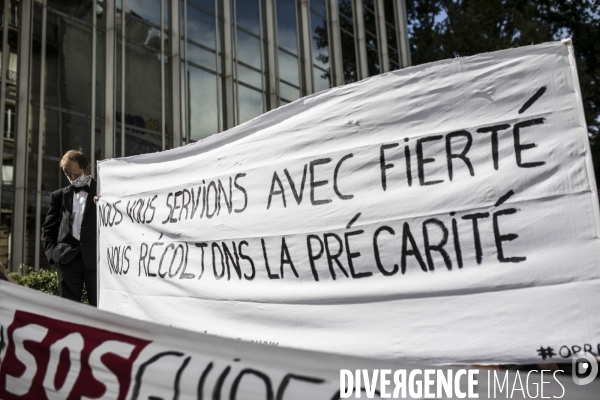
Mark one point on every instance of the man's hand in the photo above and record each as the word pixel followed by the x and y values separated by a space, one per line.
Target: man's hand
pixel 96 198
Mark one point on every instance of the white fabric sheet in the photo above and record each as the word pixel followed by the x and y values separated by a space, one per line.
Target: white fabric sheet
pixel 445 213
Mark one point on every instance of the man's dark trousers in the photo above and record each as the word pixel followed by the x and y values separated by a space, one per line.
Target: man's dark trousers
pixel 75 259
pixel 71 277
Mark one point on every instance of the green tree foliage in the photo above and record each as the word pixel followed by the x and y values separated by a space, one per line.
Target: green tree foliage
pixel 441 29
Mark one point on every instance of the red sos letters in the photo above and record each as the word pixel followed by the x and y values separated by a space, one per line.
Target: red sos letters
pixel 51 359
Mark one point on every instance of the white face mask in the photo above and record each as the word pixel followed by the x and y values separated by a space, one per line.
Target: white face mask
pixel 81 181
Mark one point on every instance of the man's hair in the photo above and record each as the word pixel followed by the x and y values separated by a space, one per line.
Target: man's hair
pixel 77 156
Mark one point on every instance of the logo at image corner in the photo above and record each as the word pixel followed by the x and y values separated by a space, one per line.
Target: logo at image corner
pixel 585 368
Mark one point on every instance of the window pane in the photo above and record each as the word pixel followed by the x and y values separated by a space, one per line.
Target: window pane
pixel 100 73
pixel 204 112
pixel 148 10
pixel 63 132
pixel 249 76
pixel 349 63
pixel 117 140
pixel 391 31
pixel 321 79
pixel 13 13
pixel 201 27
pixel 320 41
pixel 169 104
pixel 13 43
pixel 28 254
pixel 184 102
pixel 288 68
pixel 201 56
pixel 138 141
pixel 11 74
pixel 182 11
pixel 8 201
pixel 143 105
pixel 390 19
pixel 51 175
pixel 68 48
pixel 167 15
pixel 98 145
pixel 207 4
pixel 248 49
pixel 8 173
pixel 36 53
pixel 373 61
pixel 250 104
pixel 118 79
pixel 10 121
pixel 394 63
pixel 287 35
pixel 248 15
pixel 318 6
pixel 143 33
pixel 32 169
pixel 81 9
pixel 372 41
pixel 44 263
pixel 320 45
pixel 288 92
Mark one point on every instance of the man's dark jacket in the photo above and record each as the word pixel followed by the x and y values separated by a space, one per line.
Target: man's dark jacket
pixel 59 244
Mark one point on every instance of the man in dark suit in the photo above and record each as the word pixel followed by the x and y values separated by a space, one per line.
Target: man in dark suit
pixel 69 232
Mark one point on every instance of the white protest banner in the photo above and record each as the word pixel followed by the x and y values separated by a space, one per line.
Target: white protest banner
pixel 443 213
pixel 51 348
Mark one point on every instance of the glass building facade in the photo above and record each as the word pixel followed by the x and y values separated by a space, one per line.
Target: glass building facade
pixel 125 77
